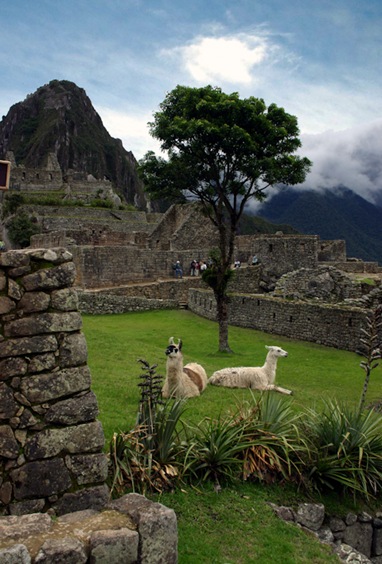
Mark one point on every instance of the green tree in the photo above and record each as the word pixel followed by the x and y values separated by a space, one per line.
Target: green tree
pixel 222 151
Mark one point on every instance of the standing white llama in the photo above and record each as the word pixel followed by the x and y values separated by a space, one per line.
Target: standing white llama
pixel 257 378
pixel 182 381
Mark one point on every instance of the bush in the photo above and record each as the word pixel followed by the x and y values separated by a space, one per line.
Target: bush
pixel 345 449
pixel 20 229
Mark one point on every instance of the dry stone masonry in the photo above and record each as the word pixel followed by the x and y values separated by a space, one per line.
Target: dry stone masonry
pixel 54 501
pixel 48 413
pixel 355 538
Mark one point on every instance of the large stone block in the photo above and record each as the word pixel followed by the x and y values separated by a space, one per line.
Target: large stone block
pixel 88 498
pixel 88 437
pixel 88 468
pixel 157 527
pixel 50 278
pixel 8 406
pixel 42 478
pixel 34 301
pixel 67 550
pixel 16 554
pixel 43 323
pixel 73 350
pixel 114 547
pixel 13 366
pixel 72 411
pixel 28 345
pixel 65 299
pixel 56 385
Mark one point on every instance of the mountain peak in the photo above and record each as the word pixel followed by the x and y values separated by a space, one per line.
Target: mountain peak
pixel 59 118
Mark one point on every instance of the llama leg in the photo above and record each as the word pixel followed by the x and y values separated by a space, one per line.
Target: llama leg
pixel 278 389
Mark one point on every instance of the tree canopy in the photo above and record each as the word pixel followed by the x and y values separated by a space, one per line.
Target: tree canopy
pixel 222 151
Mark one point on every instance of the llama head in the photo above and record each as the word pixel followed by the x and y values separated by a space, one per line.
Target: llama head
pixel 276 351
pixel 173 350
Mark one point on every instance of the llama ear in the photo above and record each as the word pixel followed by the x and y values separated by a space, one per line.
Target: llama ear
pixel 266 346
pixel 180 344
pixel 171 341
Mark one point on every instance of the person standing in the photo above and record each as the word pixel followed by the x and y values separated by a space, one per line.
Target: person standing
pixel 178 270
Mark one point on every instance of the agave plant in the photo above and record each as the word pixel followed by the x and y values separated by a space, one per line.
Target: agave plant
pixel 147 457
pixel 345 448
pixel 211 450
pixel 274 442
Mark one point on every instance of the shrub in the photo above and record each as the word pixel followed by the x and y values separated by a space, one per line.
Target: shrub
pixel 345 449
pixel 20 229
pixel 275 445
pixel 146 458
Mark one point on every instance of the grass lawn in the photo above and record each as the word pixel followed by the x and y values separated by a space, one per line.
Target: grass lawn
pixel 116 342
pixel 236 525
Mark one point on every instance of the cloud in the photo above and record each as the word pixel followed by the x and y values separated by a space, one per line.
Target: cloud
pixel 229 59
pixel 131 128
pixel 224 59
pixel 350 158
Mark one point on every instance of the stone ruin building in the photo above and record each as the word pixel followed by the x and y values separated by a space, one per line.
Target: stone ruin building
pixel 302 287
pixel 124 262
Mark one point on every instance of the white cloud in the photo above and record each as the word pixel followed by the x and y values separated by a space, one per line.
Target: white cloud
pixel 225 59
pixel 132 129
pixel 350 158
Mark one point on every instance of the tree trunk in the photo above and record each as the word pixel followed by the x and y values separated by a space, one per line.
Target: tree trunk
pixel 222 317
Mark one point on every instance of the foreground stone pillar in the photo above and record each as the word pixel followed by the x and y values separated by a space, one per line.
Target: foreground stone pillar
pixel 51 443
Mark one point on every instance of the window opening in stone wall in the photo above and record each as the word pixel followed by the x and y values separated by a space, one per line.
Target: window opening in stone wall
pixel 290 319
pixel 258 302
pixel 243 301
pixel 23 175
pixel 270 248
pixel 350 322
pixel 37 176
pixel 274 315
pixel 50 176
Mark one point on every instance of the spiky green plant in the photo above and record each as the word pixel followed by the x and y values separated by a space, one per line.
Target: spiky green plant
pixel 370 348
pixel 345 449
pixel 275 445
pixel 146 458
pixel 211 450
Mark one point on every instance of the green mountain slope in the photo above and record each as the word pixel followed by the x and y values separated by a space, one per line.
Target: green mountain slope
pixel 335 214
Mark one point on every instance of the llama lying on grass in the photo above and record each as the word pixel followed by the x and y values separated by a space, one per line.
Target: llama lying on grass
pixel 182 381
pixel 257 378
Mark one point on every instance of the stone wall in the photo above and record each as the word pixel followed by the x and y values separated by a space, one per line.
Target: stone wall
pixel 166 294
pixel 279 253
pixel 104 266
pixel 353 537
pixel 51 443
pixel 130 530
pixel 324 283
pixel 326 324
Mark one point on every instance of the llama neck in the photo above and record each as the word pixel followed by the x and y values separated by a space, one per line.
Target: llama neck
pixel 174 368
pixel 270 367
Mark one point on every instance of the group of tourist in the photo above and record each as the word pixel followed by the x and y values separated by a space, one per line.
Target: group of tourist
pixel 196 268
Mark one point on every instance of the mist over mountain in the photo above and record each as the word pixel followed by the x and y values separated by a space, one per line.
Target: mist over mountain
pixel 338 213
pixel 60 118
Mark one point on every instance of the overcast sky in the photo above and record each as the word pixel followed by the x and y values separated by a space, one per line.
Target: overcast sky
pixel 318 59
